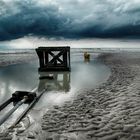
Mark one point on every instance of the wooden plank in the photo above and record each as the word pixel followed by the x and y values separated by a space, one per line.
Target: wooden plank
pixel 56 56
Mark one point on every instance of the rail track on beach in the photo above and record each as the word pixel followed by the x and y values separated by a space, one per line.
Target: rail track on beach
pixel 18 99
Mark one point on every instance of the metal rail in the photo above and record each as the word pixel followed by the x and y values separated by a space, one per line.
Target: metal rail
pixel 22 99
pixel 27 109
pixel 4 118
pixel 2 106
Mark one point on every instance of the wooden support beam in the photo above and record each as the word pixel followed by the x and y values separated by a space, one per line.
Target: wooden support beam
pixel 59 61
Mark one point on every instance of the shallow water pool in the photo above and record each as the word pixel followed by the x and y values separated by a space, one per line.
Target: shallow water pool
pixel 65 85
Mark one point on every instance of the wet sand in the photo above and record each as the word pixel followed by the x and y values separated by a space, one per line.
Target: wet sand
pixel 108 112
pixel 7 59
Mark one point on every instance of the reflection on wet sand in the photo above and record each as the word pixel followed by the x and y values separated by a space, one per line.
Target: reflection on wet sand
pixel 56 81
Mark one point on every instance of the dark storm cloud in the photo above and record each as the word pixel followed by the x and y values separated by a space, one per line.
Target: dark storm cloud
pixel 30 19
pixel 69 18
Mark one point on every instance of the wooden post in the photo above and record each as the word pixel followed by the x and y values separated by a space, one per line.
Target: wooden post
pixel 41 59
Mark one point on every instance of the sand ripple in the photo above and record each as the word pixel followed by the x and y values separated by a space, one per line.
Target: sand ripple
pixel 109 112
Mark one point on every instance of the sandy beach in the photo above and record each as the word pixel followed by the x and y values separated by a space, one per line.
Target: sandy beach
pixel 109 112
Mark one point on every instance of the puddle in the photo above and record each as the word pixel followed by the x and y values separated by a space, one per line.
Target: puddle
pixel 63 87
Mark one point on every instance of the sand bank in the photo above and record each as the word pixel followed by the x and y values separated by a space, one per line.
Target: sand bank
pixel 16 58
pixel 109 112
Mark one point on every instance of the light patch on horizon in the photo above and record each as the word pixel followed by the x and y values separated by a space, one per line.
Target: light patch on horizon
pixel 34 42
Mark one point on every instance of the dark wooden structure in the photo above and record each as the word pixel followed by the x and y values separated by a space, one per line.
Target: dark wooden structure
pixel 54 58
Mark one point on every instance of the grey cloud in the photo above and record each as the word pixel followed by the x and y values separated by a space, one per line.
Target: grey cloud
pixel 69 18
pixel 30 19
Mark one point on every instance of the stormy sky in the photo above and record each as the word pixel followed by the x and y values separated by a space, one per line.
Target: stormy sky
pixel 69 19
